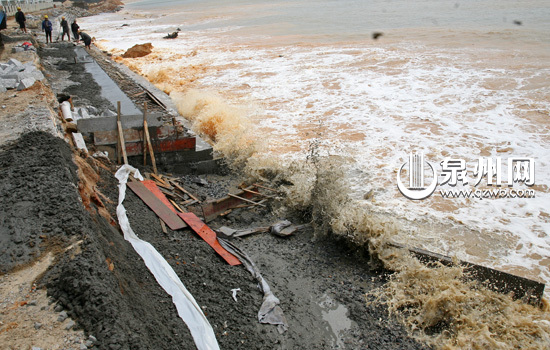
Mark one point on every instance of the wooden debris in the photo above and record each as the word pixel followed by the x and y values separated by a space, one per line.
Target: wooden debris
pixel 258 193
pixel 175 184
pixel 163 208
pixel 121 136
pixel 163 226
pixel 177 206
pixel 160 180
pixel 144 138
pixel 246 200
pixel 214 208
pixel 265 188
pixel 149 145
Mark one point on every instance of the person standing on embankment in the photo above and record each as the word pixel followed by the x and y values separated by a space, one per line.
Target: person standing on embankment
pixel 47 28
pixel 74 29
pixel 65 27
pixel 20 18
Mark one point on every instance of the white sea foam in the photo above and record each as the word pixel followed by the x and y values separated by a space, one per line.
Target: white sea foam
pixel 373 104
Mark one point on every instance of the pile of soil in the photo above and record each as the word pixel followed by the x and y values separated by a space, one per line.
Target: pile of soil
pixel 40 207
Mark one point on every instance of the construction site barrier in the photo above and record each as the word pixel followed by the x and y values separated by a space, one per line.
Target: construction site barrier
pixel 10 7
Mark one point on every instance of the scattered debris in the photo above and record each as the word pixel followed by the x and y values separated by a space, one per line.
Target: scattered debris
pixel 171 36
pixel 234 291
pixel 270 311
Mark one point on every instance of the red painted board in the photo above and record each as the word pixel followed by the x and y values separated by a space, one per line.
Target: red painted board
pixel 152 186
pixel 172 220
pixel 209 237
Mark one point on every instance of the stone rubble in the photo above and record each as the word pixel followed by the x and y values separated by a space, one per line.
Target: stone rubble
pixel 14 74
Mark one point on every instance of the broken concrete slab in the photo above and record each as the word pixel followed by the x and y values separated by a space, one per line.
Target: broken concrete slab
pixel 8 83
pixel 79 141
pixel 26 83
pixel 108 113
pixel 15 62
pixel 110 123
pixel 38 75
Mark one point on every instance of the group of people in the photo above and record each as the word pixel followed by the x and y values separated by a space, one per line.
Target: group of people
pixel 47 28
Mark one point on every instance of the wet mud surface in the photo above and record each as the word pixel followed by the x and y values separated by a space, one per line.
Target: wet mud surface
pixel 105 287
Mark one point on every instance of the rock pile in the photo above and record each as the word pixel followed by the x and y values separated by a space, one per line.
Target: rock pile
pixel 16 75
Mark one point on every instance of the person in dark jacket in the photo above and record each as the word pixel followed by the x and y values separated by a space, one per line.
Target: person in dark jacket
pixel 47 28
pixel 86 38
pixel 65 26
pixel 20 18
pixel 74 29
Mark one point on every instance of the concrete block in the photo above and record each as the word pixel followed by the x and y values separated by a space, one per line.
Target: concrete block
pixel 36 74
pixel 92 110
pixel 79 141
pixel 15 62
pixel 108 113
pixel 109 123
pixel 3 89
pixel 81 112
pixel 8 83
pixel 17 49
pixel 26 83
pixel 29 65
pixel 4 66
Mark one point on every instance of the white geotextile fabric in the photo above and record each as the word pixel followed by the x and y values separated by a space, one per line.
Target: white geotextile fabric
pixel 187 307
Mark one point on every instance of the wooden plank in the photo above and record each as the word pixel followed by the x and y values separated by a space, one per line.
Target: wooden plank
pixel 154 98
pixel 177 206
pixel 175 184
pixel 212 209
pixel 161 180
pixel 258 193
pixel 149 146
pixel 266 188
pixel 144 139
pixel 245 200
pixel 122 143
pixel 152 186
pixel 161 209
pixel 209 237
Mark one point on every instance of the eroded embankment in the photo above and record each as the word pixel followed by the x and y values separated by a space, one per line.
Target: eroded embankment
pixel 438 305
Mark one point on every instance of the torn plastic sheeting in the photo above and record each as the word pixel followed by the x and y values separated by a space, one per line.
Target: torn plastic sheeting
pixel 270 311
pixel 188 309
